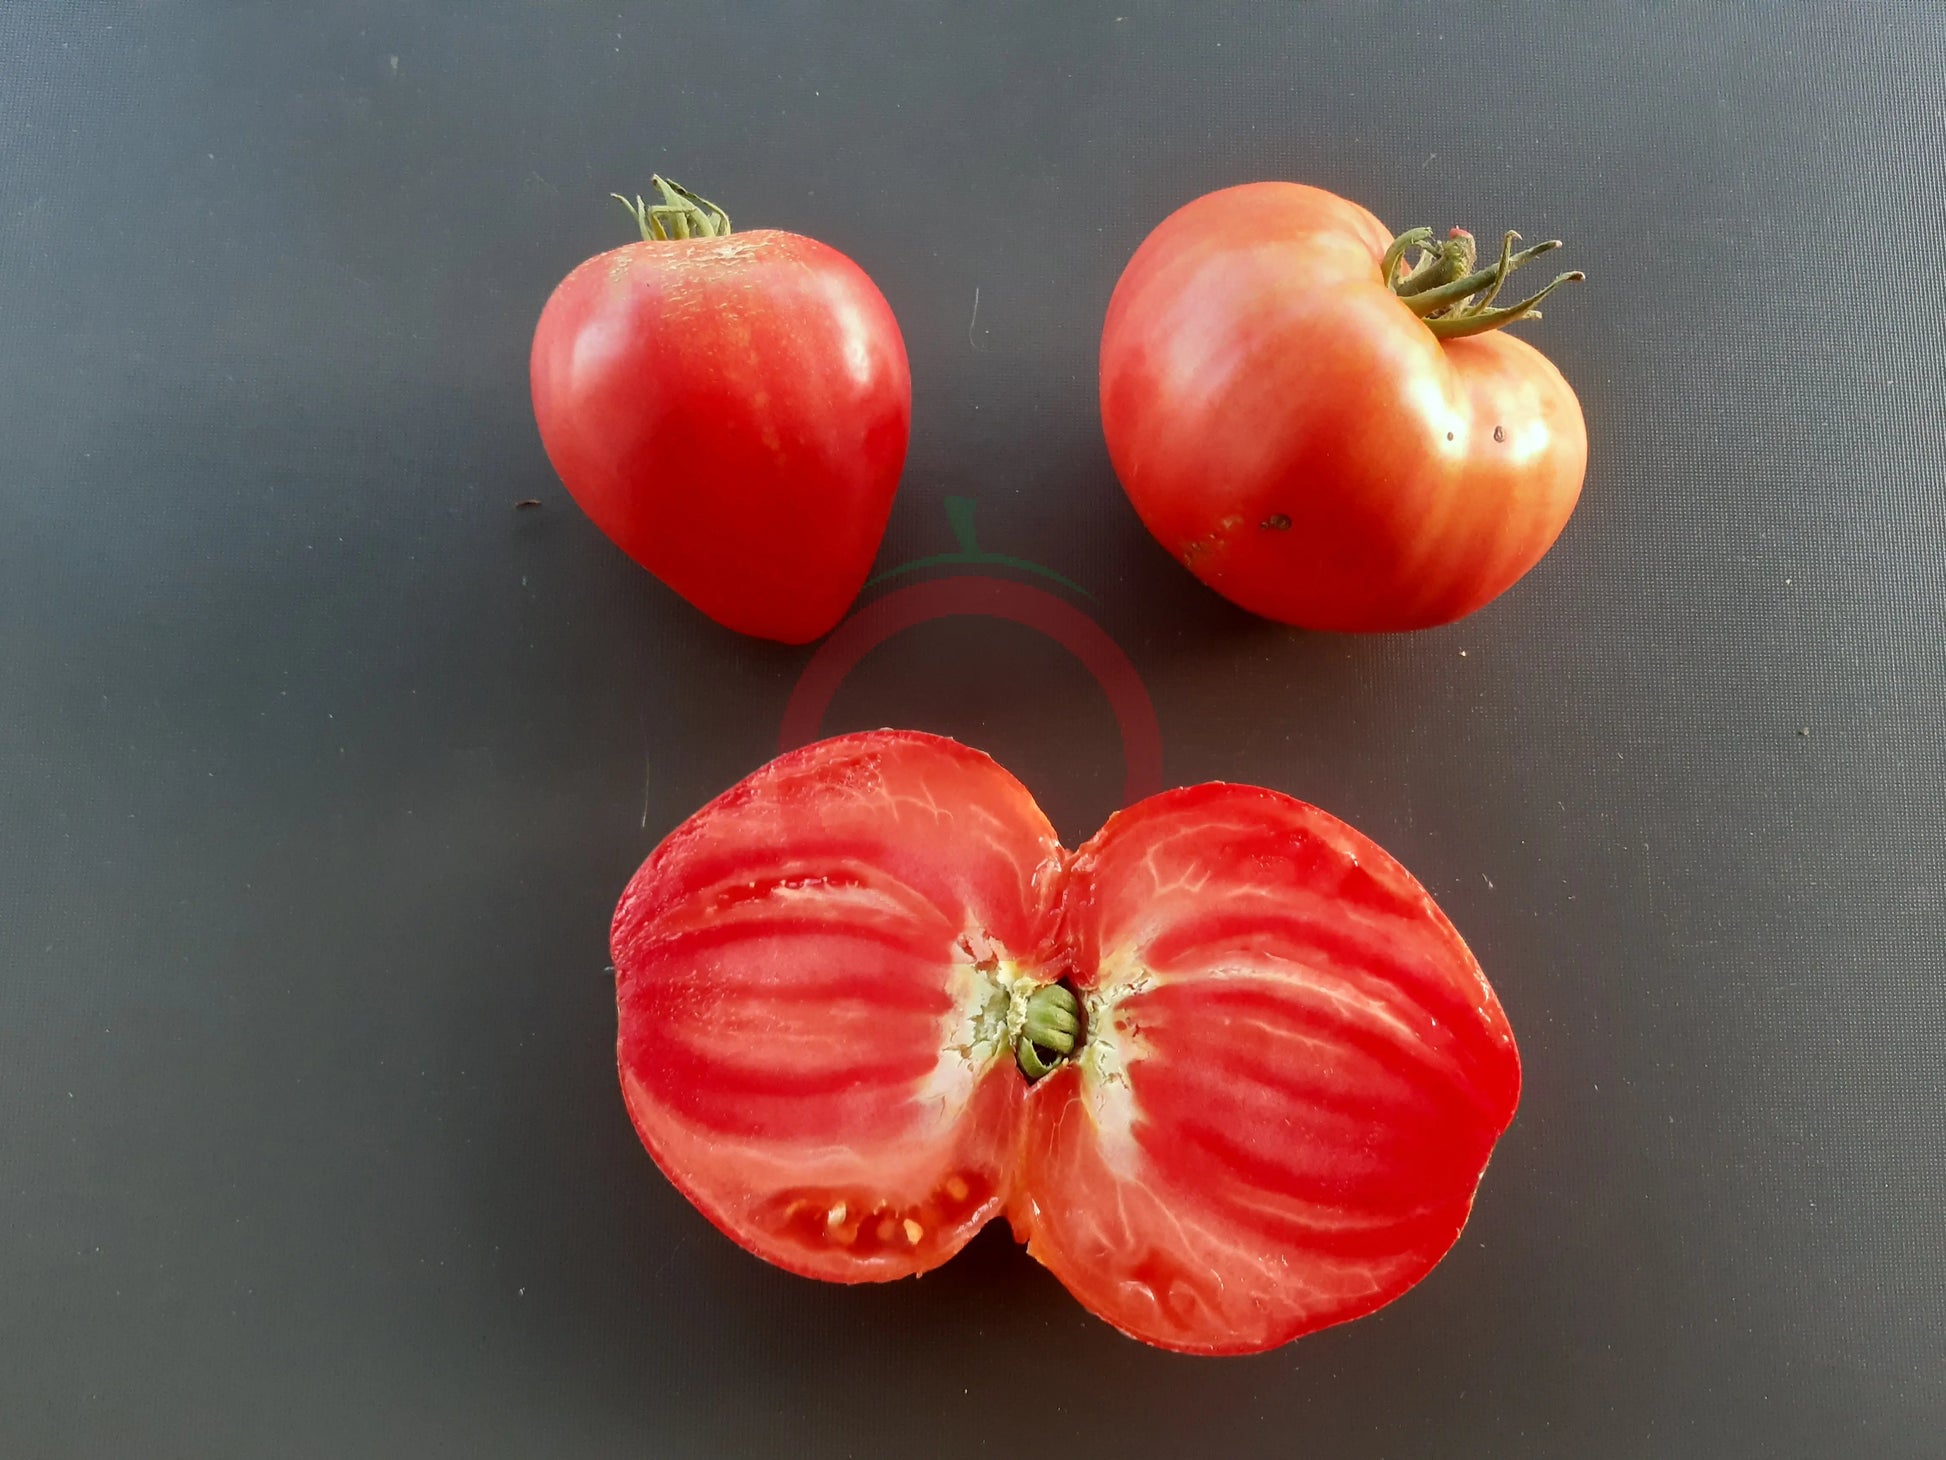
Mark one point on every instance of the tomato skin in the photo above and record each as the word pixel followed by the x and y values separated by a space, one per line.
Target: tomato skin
pixel 733 412
pixel 1303 443
pixel 1292 1076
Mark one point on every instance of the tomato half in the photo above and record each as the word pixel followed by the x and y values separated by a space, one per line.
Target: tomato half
pixel 732 409
pixel 1227 1069
pixel 1323 434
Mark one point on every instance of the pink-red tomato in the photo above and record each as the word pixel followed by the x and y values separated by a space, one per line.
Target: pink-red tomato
pixel 1288 1075
pixel 1299 426
pixel 733 411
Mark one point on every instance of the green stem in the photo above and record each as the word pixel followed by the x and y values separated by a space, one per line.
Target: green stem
pixel 1448 262
pixel 1453 297
pixel 1418 238
pixel 1426 301
pixel 1050 1028
pixel 1479 321
pixel 681 214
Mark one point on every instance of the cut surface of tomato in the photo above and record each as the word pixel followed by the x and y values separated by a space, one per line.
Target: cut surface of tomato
pixel 811 975
pixel 1294 1075
pixel 1286 1080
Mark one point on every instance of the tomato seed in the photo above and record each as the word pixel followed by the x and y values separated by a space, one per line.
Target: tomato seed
pixel 957 1188
pixel 913 1231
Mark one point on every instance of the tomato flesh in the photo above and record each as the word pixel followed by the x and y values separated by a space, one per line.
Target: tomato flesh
pixel 1291 1077
pixel 1294 1076
pixel 801 997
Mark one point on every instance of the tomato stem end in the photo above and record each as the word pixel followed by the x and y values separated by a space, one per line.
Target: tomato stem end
pixel 680 214
pixel 1446 289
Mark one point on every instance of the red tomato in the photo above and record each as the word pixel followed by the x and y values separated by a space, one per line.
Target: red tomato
pixel 1277 1073
pixel 1322 436
pixel 732 409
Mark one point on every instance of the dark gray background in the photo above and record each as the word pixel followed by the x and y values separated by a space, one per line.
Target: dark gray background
pixel 321 767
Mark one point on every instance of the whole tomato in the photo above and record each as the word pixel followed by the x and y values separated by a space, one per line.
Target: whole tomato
pixel 1320 421
pixel 1226 1069
pixel 732 409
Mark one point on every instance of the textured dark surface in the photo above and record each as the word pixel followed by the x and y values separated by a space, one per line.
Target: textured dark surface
pixel 320 766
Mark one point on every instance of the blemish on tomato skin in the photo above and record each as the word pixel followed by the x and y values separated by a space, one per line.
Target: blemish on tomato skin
pixel 1276 522
pixel 1225 535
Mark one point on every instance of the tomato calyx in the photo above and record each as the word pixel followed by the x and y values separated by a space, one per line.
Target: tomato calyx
pixel 1449 293
pixel 680 214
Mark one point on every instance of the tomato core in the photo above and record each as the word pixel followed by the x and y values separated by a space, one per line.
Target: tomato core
pixel 1051 1030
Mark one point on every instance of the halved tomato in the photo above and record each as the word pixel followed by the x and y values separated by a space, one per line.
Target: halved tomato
pixel 1227 1069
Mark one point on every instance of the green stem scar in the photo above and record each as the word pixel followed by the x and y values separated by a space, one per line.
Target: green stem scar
pixel 680 214
pixel 1444 286
pixel 1049 1031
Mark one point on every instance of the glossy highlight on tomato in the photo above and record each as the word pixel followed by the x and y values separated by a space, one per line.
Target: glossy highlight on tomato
pixel 1272 1113
pixel 1324 432
pixel 732 409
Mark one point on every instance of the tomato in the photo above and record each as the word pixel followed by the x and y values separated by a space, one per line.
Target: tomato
pixel 1227 1070
pixel 732 410
pixel 1320 434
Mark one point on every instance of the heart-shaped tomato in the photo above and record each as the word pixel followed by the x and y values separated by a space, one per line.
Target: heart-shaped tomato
pixel 732 409
pixel 1227 1068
